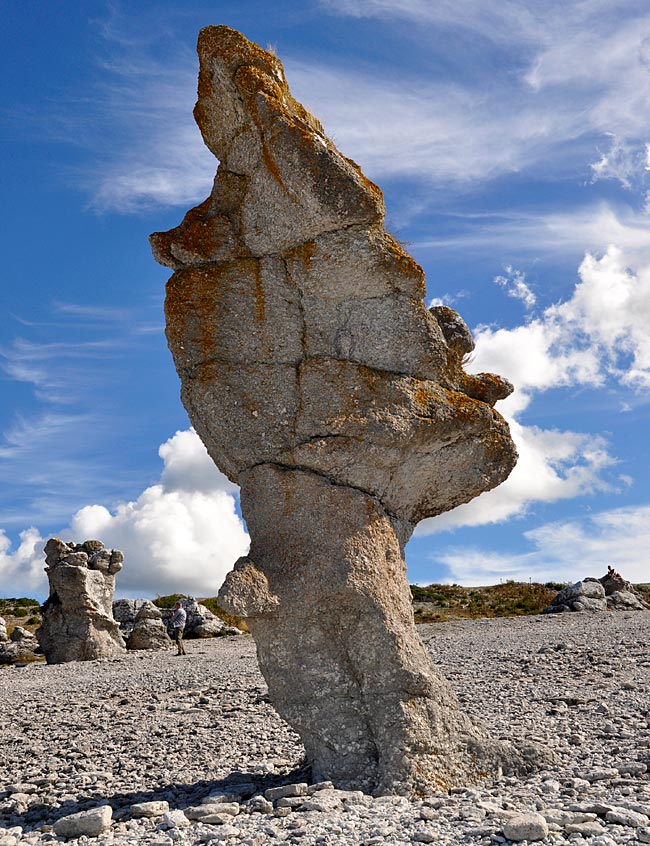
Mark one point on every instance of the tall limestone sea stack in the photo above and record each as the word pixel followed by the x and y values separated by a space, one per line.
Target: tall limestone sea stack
pixel 320 383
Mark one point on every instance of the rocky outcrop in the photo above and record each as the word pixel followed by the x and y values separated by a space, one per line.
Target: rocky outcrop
pixel 321 384
pixel 201 622
pixel 141 621
pixel 621 594
pixel 141 624
pixel 78 623
pixel 609 593
pixel 125 612
pixel 3 630
pixel 20 646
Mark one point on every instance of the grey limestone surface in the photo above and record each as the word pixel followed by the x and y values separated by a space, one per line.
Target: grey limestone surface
pixel 189 750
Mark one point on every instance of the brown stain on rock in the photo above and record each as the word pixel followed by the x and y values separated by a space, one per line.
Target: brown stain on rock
pixel 259 295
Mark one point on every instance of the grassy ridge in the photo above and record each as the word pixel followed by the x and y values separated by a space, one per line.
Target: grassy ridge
pixel 437 603
pixel 434 603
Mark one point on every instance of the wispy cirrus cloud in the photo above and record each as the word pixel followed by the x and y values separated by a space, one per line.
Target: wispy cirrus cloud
pixel 137 145
pixel 577 74
pixel 564 233
pixel 56 431
pixel 497 23
pixel 143 148
pixel 445 132
pixel 59 371
pixel 627 163
pixel 155 155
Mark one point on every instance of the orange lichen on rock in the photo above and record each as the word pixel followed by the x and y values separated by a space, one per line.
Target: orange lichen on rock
pixel 322 385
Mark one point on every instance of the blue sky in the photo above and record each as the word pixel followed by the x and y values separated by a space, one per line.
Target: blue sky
pixel 512 148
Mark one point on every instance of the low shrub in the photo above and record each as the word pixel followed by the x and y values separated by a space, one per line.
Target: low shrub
pixel 212 604
pixel 168 601
pixel 508 599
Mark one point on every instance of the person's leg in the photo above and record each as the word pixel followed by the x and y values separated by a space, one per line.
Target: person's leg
pixel 181 645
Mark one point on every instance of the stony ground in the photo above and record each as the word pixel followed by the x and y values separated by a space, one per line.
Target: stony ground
pixel 197 737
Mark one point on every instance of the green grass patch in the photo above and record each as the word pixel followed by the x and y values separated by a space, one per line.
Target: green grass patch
pixel 168 601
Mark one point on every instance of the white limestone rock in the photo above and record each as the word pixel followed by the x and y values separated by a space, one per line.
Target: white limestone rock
pixel 90 823
pixel 526 826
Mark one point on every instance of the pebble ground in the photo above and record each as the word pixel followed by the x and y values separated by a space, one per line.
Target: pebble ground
pixel 196 731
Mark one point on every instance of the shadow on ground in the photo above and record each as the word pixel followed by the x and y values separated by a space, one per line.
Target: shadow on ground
pixel 178 795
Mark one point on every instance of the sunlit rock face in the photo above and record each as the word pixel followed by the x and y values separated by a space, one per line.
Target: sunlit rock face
pixel 78 623
pixel 320 383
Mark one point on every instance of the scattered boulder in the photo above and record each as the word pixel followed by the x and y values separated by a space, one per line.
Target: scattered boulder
pixel 125 612
pixel 609 593
pixel 626 600
pixel 20 646
pixel 149 631
pixel 90 823
pixel 78 623
pixel 320 383
pixel 201 622
pixel 149 809
pixel 621 594
pixel 526 826
pixel 141 624
pixel 142 621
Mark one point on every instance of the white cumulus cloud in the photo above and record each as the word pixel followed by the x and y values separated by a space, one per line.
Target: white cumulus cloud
pixel 597 335
pixel 180 535
pixel 21 570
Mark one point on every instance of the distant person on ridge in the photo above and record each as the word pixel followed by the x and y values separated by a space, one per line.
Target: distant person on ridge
pixel 179 618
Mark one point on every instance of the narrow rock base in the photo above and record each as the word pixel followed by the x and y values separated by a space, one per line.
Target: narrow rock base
pixel 330 611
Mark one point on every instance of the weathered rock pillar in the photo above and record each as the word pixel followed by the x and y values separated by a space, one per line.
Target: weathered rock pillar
pixel 78 623
pixel 320 383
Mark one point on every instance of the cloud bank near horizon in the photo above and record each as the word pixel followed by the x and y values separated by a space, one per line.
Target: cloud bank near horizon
pixel 564 550
pixel 181 535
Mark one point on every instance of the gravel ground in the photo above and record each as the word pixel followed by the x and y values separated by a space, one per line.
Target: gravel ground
pixel 197 736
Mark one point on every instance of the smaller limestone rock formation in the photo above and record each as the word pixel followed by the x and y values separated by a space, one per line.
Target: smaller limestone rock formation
pixel 20 646
pixel 621 594
pixel 78 623
pixel 609 593
pixel 125 612
pixel 3 630
pixel 141 624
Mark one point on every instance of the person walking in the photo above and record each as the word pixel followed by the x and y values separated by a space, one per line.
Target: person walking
pixel 179 618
